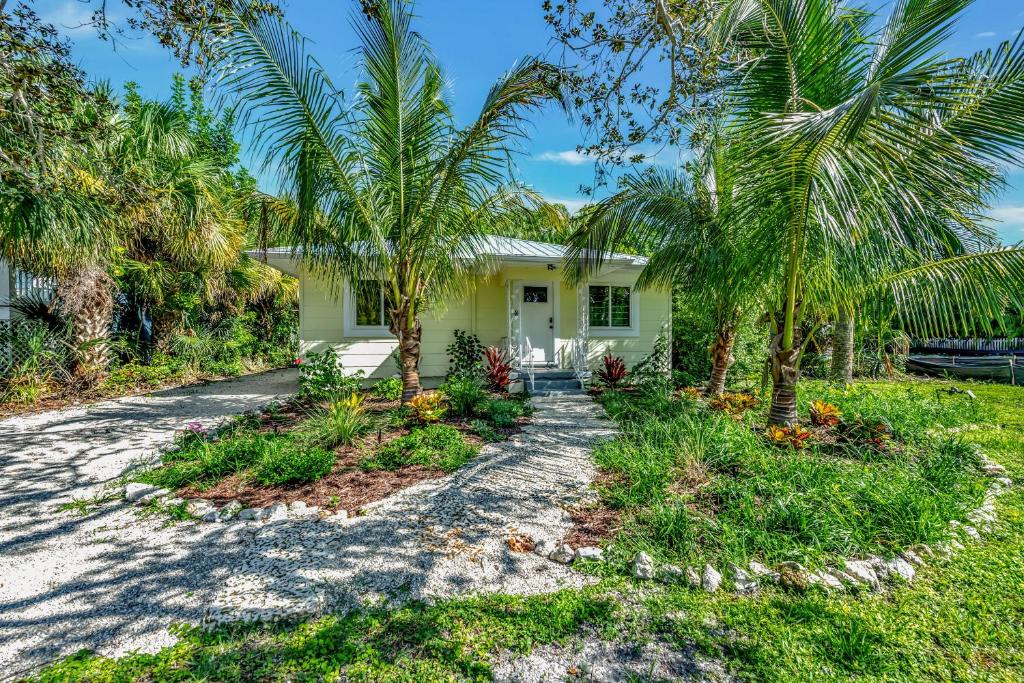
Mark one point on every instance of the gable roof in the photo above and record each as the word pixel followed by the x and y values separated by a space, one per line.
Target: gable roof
pixel 504 249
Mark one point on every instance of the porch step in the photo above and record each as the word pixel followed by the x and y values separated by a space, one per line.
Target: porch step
pixel 543 386
pixel 551 373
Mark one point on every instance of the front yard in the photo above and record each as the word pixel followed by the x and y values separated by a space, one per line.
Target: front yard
pixel 691 485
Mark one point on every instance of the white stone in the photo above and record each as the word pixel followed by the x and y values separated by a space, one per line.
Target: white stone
pixel 589 553
pixel 993 470
pixel 278 512
pixel 971 532
pixel 212 516
pixel 901 568
pixel 251 514
pixel 671 573
pixel 743 581
pixel 562 554
pixel 758 569
pixel 230 511
pixel 297 506
pixel 150 497
pixel 338 516
pixel 643 566
pixel 544 548
pixel 692 577
pixel 198 507
pixel 710 579
pixel 863 572
pixel 913 558
pixel 134 491
pixel 842 576
pixel 826 580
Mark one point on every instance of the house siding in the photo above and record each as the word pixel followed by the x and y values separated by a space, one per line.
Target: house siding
pixel 321 323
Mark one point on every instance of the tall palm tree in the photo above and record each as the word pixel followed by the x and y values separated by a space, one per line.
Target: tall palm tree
pixel 696 245
pixel 386 187
pixel 845 132
pixel 956 295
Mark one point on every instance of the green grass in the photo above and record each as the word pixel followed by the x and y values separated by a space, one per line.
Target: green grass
pixel 697 486
pixel 439 446
pixel 961 620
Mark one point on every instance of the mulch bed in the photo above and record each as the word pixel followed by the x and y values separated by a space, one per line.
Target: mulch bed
pixel 592 522
pixel 347 487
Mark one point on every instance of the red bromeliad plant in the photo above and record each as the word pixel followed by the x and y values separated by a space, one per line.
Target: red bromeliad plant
pixel 498 368
pixel 613 372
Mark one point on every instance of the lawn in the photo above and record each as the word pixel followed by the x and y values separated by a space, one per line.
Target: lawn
pixel 962 619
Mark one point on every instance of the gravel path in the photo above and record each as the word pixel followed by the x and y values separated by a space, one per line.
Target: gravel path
pixel 106 581
pixel 113 582
pixel 437 539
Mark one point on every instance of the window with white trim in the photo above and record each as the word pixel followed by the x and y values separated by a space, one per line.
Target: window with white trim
pixel 368 304
pixel 610 307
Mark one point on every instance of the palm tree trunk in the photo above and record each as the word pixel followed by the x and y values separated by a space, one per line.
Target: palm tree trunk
pixel 842 348
pixel 721 358
pixel 86 297
pixel 409 331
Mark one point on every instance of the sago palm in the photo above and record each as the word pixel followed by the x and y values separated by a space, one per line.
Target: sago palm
pixel 385 186
pixel 846 132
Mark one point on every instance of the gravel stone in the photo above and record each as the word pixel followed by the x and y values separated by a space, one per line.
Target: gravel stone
pixel 643 566
pixel 863 571
pixel 589 553
pixel 710 579
pixel 134 491
pixel 110 581
pixel 544 548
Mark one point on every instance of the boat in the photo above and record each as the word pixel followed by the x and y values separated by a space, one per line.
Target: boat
pixel 1005 369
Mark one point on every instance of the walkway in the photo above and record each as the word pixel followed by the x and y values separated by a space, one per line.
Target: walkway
pixel 106 580
pixel 112 582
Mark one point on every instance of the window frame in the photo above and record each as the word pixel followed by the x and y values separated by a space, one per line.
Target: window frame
pixel 633 330
pixel 352 329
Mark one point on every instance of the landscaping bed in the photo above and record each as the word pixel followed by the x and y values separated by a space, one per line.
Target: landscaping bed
pixel 335 446
pixel 700 482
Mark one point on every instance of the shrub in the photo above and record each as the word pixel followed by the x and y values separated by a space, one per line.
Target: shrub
pixel 427 408
pixel 485 431
pixel 824 414
pixel 337 424
pixel 499 369
pixel 465 355
pixel 613 373
pixel 284 462
pixel 734 403
pixel 652 373
pixel 503 413
pixel 438 446
pixel 464 394
pixel 388 389
pixel 322 377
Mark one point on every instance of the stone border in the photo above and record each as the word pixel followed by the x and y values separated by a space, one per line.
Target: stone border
pixel 205 511
pixel 869 572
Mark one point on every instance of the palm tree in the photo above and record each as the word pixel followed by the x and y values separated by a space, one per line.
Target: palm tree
pixel 386 187
pixel 848 133
pixel 695 245
pixel 956 295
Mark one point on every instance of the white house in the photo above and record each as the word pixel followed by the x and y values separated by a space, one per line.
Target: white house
pixel 523 306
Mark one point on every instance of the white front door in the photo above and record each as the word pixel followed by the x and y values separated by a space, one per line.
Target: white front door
pixel 538 316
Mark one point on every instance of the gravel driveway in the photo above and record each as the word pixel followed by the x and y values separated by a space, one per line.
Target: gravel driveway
pixel 112 582
pixel 107 580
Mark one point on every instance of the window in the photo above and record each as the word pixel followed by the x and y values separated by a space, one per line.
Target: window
pixel 369 298
pixel 535 295
pixel 610 306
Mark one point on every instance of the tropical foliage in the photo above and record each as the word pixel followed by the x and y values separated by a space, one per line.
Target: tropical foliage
pixel 387 188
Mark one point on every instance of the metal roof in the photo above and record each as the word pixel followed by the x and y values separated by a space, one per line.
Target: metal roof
pixel 502 248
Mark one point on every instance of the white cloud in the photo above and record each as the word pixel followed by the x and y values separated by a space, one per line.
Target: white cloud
pixel 985 34
pixel 573 205
pixel 72 18
pixel 569 156
pixel 1009 215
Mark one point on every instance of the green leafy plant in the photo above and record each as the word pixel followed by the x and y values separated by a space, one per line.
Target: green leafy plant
pixel 336 425
pixel 436 446
pixel 322 377
pixel 465 356
pixel 284 462
pixel 389 389
pixel 465 395
pixel 427 408
pixel 485 431
pixel 504 413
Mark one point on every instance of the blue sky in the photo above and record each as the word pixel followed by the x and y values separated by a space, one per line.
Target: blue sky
pixel 476 41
